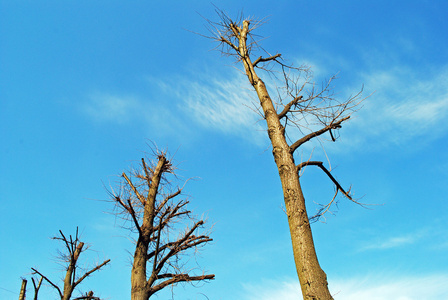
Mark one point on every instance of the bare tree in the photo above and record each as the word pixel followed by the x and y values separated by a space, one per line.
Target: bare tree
pixel 74 248
pixel 146 199
pixel 298 105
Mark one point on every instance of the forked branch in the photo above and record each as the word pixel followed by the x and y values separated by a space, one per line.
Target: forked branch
pixel 49 281
pixel 321 165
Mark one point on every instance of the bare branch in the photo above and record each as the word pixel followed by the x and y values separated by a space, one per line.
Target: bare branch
pixel 261 59
pixel 36 287
pixel 321 165
pixel 90 272
pixel 323 210
pixel 136 192
pixel 181 278
pixel 288 106
pixel 49 281
pixel 134 217
pixel 178 246
pixel 314 134
pixel 145 169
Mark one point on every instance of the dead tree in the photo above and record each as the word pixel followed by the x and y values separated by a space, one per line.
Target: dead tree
pixel 74 248
pixel 146 200
pixel 298 105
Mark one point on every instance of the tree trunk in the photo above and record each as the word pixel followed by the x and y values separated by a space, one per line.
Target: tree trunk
pixel 313 279
pixel 22 294
pixel 139 289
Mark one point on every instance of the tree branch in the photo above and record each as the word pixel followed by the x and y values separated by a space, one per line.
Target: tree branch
pixel 181 278
pixel 134 217
pixel 49 281
pixel 261 59
pixel 321 165
pixel 145 168
pixel 171 196
pixel 306 138
pixel 288 106
pixel 90 272
pixel 324 209
pixel 176 249
pixel 136 192
pixel 36 287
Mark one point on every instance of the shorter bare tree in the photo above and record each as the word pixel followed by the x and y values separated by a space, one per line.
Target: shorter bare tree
pixel 74 248
pixel 147 200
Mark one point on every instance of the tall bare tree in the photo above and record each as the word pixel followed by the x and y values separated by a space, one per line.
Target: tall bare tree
pixel 298 105
pixel 74 248
pixel 146 199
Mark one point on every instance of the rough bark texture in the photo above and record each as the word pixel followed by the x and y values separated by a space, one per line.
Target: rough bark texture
pixel 313 279
pixel 22 294
pixel 326 114
pixel 146 201
pixel 140 289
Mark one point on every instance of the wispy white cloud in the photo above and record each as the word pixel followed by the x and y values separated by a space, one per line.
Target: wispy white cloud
pixel 376 287
pixel 224 105
pixel 403 109
pixel 105 107
pixel 386 287
pixel 153 115
pixel 393 242
pixel 282 289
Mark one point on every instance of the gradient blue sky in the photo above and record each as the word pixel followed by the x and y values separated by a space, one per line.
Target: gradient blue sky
pixel 85 85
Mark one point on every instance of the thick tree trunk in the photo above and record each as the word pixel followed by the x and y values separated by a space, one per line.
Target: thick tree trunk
pixel 313 279
pixel 139 289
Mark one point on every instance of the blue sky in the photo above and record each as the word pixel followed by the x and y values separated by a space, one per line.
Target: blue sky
pixel 85 86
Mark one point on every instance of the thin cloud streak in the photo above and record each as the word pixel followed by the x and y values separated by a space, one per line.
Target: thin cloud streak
pixel 105 107
pixel 393 242
pixel 217 104
pixel 402 109
pixel 157 117
pixel 386 287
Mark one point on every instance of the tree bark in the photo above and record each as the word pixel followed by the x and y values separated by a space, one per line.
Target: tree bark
pixel 22 294
pixel 313 279
pixel 140 290
pixel 150 203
